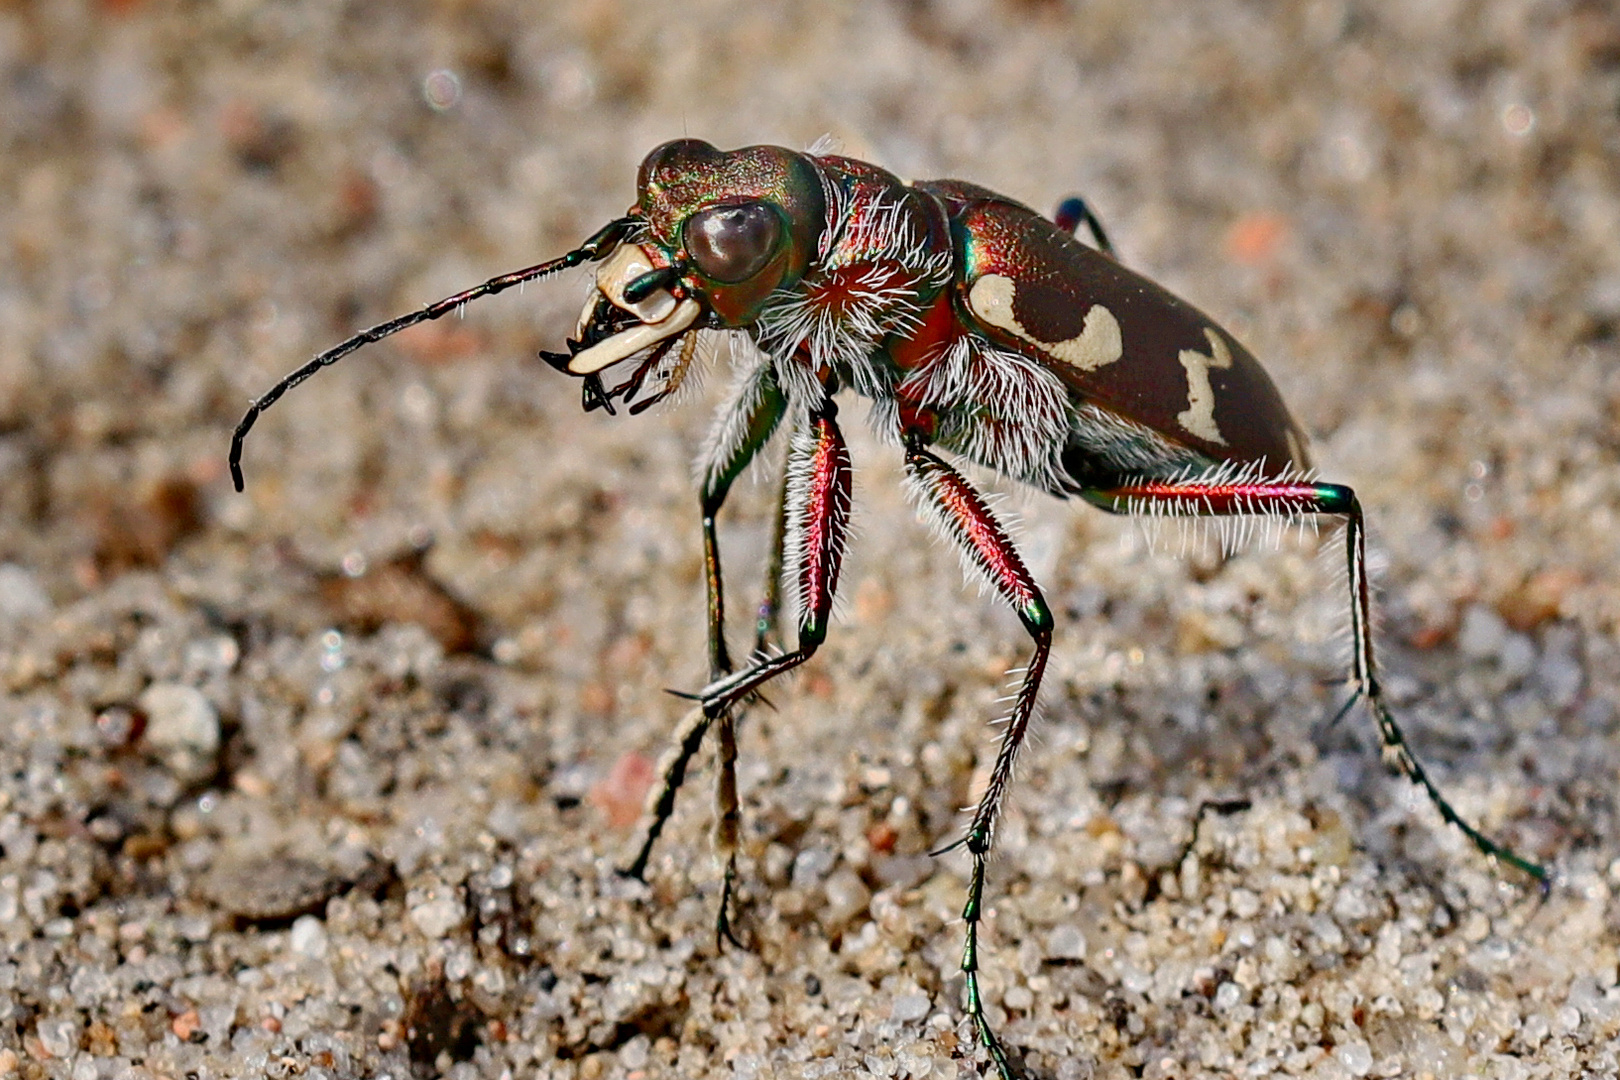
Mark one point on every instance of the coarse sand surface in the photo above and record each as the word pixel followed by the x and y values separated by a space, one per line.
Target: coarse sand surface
pixel 331 778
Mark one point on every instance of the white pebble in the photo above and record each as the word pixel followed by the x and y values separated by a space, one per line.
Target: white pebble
pixel 438 916
pixel 1560 677
pixel 1518 657
pixel 909 1007
pixel 21 595
pixel 179 717
pixel 59 1035
pixel 633 1054
pixel 1135 979
pixel 90 985
pixel 1356 1056
pixel 847 898
pixel 810 866
pixel 1066 942
pixel 1483 632
pixel 308 937
pixel 1244 904
pixel 458 964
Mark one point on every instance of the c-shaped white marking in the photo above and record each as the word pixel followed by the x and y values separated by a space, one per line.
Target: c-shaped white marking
pixel 1098 343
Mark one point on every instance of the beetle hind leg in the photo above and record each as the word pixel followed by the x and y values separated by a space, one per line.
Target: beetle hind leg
pixel 1247 495
pixel 1073 212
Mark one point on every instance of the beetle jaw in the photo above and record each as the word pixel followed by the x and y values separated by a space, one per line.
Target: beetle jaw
pixel 670 309
pixel 661 313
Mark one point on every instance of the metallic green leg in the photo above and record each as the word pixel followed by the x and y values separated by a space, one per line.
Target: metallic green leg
pixel 960 514
pixel 728 822
pixel 970 962
pixel 1364 677
pixel 1291 498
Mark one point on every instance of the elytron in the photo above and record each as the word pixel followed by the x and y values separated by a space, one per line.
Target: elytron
pixel 980 331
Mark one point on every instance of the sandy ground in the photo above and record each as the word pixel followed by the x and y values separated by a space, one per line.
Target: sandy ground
pixel 329 779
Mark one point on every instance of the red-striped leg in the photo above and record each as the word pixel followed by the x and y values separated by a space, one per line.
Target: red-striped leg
pixel 959 513
pixel 1291 498
pixel 768 615
pixel 817 517
pixel 817 513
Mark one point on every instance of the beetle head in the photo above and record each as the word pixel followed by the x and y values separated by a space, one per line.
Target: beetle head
pixel 723 231
pixel 740 223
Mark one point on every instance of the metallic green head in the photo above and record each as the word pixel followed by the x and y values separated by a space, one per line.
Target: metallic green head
pixel 741 223
pixel 723 231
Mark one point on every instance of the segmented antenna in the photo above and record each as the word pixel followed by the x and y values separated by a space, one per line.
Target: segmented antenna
pixel 599 244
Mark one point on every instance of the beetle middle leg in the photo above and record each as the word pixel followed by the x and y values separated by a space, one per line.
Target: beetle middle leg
pixel 1291 498
pixel 959 513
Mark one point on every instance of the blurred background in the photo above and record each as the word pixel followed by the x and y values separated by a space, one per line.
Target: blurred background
pixel 334 772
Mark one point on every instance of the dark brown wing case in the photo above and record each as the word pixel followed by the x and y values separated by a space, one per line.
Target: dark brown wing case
pixel 1113 337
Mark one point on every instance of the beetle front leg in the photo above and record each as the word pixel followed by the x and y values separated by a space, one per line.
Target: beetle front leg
pixel 817 511
pixel 742 427
pixel 959 513
pixel 1291 498
pixel 817 517
pixel 728 811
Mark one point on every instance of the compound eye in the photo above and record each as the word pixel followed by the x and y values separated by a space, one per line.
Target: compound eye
pixel 730 244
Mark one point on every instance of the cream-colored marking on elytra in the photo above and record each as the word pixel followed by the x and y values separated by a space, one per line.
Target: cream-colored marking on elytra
pixel 1097 345
pixel 627 343
pixel 1199 416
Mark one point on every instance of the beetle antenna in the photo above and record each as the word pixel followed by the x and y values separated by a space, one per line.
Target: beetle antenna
pixel 600 243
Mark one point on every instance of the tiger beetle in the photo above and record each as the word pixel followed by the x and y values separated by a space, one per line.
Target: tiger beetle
pixel 975 327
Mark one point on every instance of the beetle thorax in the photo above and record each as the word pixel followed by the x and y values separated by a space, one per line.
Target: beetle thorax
pixel 877 269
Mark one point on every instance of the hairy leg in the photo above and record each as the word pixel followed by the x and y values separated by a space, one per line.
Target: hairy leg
pixel 817 518
pixel 1292 498
pixel 959 513
pixel 817 512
